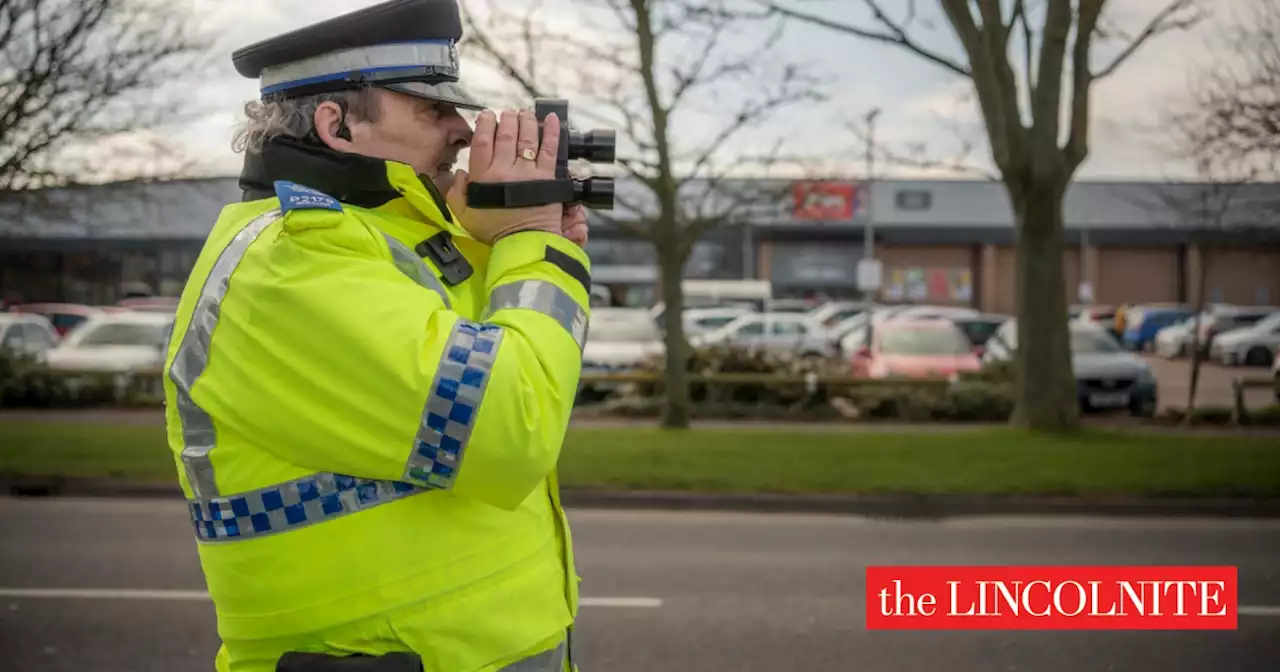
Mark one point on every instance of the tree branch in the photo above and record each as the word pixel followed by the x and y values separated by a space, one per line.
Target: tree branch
pixel 896 36
pixel 1077 147
pixel 1163 22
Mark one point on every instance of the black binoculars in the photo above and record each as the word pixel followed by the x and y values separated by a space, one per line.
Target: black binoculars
pixel 596 146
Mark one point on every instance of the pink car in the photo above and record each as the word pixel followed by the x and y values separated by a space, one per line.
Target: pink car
pixel 915 348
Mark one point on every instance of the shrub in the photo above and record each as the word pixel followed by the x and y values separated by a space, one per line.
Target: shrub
pixel 1264 417
pixel 980 402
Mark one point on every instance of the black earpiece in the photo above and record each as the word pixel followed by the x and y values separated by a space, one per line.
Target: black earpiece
pixel 343 131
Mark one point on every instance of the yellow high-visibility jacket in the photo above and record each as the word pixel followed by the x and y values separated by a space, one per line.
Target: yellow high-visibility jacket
pixel 358 428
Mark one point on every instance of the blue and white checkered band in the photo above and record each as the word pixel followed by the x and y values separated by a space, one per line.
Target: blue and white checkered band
pixel 452 404
pixel 433 61
pixel 288 506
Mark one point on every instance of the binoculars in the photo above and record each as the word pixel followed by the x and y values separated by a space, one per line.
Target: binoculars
pixel 596 146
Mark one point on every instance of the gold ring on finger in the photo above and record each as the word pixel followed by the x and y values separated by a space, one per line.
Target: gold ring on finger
pixel 528 154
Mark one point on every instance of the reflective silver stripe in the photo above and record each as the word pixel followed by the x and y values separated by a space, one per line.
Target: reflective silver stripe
pixel 193 355
pixel 452 404
pixel 547 661
pixel 442 55
pixel 413 266
pixel 290 505
pixel 544 298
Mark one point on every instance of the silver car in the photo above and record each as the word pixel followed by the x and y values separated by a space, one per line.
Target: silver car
pixel 26 334
pixel 792 333
pixel 618 340
pixel 1250 346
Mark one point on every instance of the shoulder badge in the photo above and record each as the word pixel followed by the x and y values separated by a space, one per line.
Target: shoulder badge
pixel 294 196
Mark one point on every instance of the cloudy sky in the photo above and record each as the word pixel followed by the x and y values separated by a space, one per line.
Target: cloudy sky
pixel 921 105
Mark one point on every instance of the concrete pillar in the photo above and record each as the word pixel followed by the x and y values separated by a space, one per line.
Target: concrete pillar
pixel 1089 259
pixel 1192 274
pixel 766 261
pixel 988 278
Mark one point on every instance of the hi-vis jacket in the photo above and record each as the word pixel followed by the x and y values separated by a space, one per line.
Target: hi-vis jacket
pixel 360 423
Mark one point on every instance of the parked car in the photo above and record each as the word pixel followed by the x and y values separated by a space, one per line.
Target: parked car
pixel 26 334
pixel 979 328
pixel 1251 346
pixel 63 316
pixel 834 312
pixel 923 312
pixel 1108 377
pixel 911 348
pixel 1175 339
pixel 618 340
pixel 702 320
pixel 774 332
pixel 1229 318
pixel 1144 322
pixel 114 342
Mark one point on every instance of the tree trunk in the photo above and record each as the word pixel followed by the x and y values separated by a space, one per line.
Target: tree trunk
pixel 1046 387
pixel 1202 279
pixel 676 406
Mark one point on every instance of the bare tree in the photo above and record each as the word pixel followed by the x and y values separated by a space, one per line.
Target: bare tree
pixel 1234 105
pixel 76 73
pixel 1227 128
pixel 683 82
pixel 1022 57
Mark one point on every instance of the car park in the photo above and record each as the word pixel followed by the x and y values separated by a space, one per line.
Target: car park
pixel 1108 377
pixel 1249 346
pixel 925 347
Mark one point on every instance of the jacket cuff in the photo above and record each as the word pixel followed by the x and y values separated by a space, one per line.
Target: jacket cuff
pixel 543 256
pixel 544 273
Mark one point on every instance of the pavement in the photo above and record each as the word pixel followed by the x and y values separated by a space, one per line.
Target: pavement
pixel 1173 380
pixel 663 590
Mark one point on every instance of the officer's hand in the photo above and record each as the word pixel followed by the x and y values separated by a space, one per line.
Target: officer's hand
pixel 496 147
pixel 574 225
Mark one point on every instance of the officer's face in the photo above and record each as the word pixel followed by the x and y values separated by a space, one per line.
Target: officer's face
pixel 422 133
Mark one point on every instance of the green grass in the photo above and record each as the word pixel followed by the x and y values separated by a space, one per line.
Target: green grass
pixel 998 461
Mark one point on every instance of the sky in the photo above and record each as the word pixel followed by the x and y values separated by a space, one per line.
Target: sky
pixel 921 106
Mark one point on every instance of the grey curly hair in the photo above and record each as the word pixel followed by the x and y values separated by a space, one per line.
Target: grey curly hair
pixel 295 117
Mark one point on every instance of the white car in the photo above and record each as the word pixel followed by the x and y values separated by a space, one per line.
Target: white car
pixel 114 343
pixel 1174 340
pixel 832 313
pixel 619 340
pixel 26 334
pixel 702 320
pixel 792 333
pixel 1250 346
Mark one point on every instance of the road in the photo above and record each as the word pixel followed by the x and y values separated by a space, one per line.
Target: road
pixel 666 591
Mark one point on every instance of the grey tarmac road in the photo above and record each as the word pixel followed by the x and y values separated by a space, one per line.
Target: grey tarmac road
pixel 744 592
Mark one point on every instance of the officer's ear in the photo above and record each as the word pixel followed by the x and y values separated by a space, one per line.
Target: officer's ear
pixel 331 126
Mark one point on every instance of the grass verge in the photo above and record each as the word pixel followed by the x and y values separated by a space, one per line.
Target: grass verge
pixel 996 461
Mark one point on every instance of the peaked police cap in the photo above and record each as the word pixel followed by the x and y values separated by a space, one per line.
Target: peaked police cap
pixel 408 46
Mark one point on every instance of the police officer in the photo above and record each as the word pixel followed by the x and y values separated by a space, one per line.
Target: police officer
pixel 368 383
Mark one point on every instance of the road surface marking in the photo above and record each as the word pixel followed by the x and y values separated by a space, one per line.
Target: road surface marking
pixel 200 596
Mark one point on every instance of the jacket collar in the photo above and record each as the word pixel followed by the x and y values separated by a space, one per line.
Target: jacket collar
pixel 351 178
